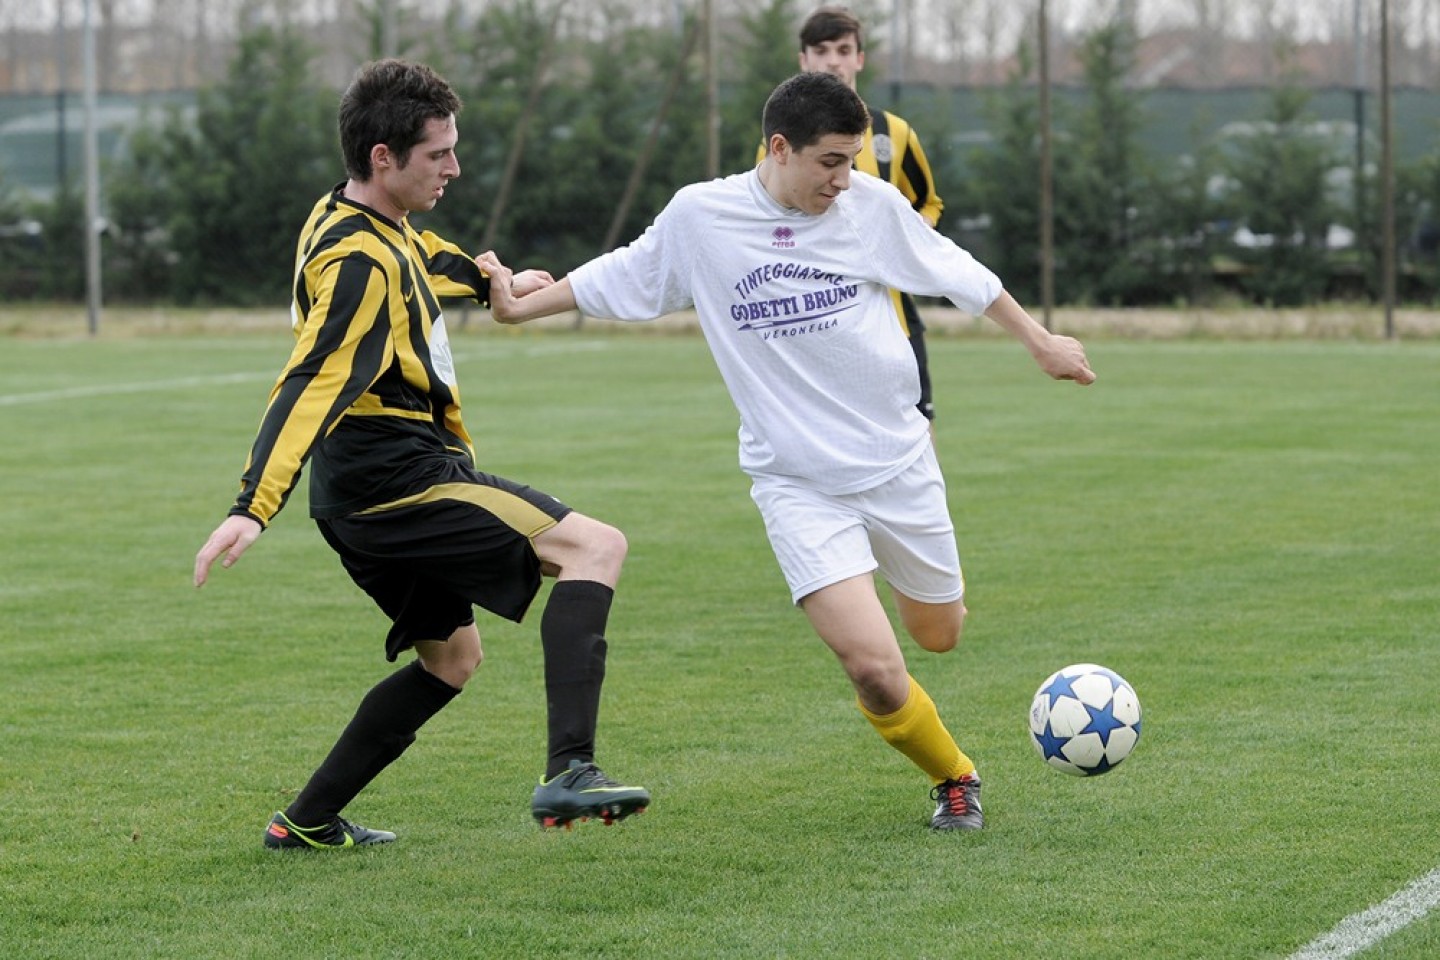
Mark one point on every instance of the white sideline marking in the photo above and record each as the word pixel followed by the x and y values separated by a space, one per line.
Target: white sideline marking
pixel 1361 931
pixel 110 390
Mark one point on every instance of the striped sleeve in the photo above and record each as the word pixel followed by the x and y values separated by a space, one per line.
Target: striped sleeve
pixel 453 274
pixel 342 347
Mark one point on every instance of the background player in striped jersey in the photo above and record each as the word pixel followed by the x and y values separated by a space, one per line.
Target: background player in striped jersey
pixel 369 398
pixel 832 41
pixel 788 267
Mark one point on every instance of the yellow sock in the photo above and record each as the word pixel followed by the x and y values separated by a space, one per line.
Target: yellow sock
pixel 916 731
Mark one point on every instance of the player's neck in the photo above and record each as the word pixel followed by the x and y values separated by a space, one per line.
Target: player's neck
pixel 769 176
pixel 370 194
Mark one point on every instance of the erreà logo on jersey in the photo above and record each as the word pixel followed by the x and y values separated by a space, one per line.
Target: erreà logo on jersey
pixel 784 237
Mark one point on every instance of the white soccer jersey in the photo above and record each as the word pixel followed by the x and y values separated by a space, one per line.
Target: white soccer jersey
pixel 798 315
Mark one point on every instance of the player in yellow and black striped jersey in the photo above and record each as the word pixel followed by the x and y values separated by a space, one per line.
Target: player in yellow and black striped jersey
pixel 371 366
pixel 831 41
pixel 369 399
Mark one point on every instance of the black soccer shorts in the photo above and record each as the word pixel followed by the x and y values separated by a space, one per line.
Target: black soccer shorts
pixel 427 558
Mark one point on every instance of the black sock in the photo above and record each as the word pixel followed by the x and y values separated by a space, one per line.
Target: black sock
pixel 572 634
pixel 383 726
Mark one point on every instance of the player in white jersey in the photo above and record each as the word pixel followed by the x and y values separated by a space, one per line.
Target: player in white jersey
pixel 788 267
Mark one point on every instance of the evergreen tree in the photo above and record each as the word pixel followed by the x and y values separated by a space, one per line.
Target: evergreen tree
pixel 222 194
pixel 50 262
pixel 491 61
pixel 1004 185
pixel 20 245
pixel 1417 207
pixel 1280 197
pixel 601 96
pixel 1178 241
pixel 765 57
pixel 1099 215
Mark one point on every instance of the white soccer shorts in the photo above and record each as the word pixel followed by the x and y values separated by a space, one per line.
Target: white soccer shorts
pixel 902 528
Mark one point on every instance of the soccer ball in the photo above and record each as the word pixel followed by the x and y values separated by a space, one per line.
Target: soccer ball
pixel 1084 720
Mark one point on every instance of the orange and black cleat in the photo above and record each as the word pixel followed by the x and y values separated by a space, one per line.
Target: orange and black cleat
pixel 957 804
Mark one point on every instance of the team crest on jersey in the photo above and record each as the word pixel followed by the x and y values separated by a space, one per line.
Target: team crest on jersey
pixel 784 237
pixel 883 147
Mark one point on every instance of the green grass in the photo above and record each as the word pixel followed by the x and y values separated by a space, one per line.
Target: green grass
pixel 1248 532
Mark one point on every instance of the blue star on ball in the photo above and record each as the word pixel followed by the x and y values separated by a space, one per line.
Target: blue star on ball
pixel 1051 744
pixel 1102 721
pixel 1061 686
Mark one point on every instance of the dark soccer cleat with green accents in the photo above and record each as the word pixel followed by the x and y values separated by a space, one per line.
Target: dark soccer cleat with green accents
pixel 582 792
pixel 335 835
pixel 957 804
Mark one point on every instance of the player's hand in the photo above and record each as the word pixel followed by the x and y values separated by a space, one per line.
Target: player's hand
pixel 528 281
pixel 232 538
pixel 518 297
pixel 502 285
pixel 1064 359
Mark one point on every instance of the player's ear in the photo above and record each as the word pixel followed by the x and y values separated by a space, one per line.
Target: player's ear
pixel 778 147
pixel 381 157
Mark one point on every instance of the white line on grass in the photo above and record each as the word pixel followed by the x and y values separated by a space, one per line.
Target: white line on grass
pixel 182 383
pixel 111 389
pixel 1361 931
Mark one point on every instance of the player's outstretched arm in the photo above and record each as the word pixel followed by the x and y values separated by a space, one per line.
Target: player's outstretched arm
pixel 232 538
pixel 528 281
pixel 512 302
pixel 1061 357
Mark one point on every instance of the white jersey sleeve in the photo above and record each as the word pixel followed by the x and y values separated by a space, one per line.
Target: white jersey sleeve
pixel 644 280
pixel 909 254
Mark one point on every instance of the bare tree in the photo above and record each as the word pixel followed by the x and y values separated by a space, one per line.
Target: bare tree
pixel 992 26
pixel 1210 46
pixel 958 20
pixel 170 44
pixel 1416 23
pixel 12 49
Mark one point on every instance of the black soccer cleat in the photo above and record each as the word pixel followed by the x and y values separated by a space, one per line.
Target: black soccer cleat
pixel 957 804
pixel 339 833
pixel 581 792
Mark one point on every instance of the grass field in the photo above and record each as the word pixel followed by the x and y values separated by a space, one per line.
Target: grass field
pixel 1250 533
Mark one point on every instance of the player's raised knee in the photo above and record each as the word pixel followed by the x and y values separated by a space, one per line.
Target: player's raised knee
pixel 603 548
pixel 609 544
pixel 940 635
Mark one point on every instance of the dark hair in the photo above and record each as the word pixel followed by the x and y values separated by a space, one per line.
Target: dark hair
pixel 809 106
pixel 827 24
pixel 389 102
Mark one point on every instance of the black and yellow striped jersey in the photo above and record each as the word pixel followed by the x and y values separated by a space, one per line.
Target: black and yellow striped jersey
pixel 892 152
pixel 368 395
